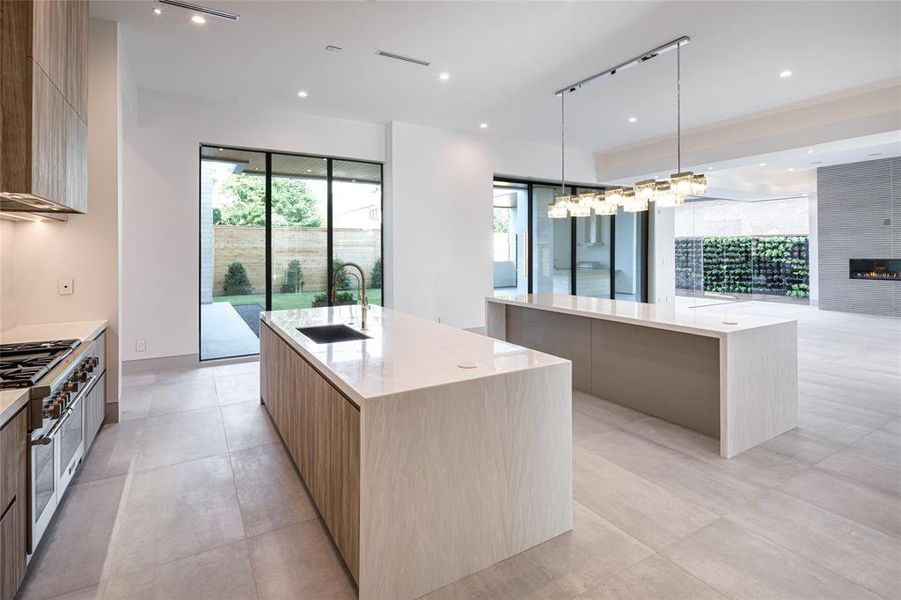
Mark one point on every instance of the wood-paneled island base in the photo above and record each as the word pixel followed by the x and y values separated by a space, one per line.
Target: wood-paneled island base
pixel 430 452
pixel 731 376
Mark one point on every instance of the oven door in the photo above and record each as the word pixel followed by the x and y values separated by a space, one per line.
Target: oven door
pixel 43 482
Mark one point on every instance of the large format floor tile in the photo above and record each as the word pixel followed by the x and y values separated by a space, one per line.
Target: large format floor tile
pixel 176 511
pixel 239 387
pixel 743 565
pixel 653 578
pixel 185 395
pixel 270 491
pixel 180 437
pixel 299 561
pixel 247 425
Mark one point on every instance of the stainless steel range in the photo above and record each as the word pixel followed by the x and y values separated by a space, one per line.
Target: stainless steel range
pixel 65 410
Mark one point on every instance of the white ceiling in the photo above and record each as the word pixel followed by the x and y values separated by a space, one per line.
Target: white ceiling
pixel 790 173
pixel 506 59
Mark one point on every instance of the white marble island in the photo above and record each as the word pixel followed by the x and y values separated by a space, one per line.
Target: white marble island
pixel 722 373
pixel 430 452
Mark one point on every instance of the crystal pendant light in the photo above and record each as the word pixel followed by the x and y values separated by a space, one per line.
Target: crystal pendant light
pixel 614 196
pixel 581 207
pixel 603 206
pixel 560 208
pixel 698 185
pixel 665 196
pixel 644 191
pixel 632 203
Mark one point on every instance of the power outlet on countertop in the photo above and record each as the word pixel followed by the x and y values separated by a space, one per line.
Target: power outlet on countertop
pixel 65 286
pixel 140 345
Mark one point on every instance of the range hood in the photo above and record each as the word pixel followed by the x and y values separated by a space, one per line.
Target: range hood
pixel 28 207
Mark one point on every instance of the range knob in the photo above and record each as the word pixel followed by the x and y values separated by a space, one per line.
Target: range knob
pixel 54 410
pixel 88 366
pixel 80 376
pixel 70 386
pixel 61 398
pixel 94 360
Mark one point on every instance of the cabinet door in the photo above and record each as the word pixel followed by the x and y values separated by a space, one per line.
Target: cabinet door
pixel 13 526
pixel 76 67
pixel 76 158
pixel 95 408
pixel 49 39
pixel 48 138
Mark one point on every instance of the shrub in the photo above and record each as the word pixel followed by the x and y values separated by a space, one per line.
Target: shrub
pixel 293 278
pixel 322 299
pixel 375 277
pixel 236 281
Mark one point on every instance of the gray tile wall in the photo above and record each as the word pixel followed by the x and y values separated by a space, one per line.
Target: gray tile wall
pixel 859 216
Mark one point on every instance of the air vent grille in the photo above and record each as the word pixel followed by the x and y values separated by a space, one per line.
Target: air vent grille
pixel 415 61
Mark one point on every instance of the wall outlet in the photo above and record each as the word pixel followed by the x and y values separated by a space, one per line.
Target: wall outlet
pixel 65 286
pixel 140 345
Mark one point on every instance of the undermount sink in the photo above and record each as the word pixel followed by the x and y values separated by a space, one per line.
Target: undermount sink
pixel 330 334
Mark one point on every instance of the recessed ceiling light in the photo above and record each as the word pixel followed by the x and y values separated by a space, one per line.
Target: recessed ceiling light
pixel 709 168
pixel 875 154
pixel 762 164
pixel 633 119
pixel 785 74
pixel 483 125
pixel 443 75
pixel 157 10
pixel 790 169
pixel 302 94
pixel 199 20
pixel 810 152
pixel 309 170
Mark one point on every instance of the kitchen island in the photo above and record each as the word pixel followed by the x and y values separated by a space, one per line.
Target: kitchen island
pixel 430 452
pixel 718 372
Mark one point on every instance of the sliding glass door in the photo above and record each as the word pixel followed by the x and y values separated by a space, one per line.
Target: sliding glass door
pixel 599 256
pixel 272 227
pixel 511 238
pixel 552 259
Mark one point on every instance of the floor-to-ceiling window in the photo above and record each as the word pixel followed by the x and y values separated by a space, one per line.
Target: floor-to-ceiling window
pixel 272 226
pixel 511 237
pixel 600 256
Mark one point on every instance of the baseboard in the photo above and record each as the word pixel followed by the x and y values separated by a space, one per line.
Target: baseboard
pixel 111 414
pixel 184 361
pixel 479 330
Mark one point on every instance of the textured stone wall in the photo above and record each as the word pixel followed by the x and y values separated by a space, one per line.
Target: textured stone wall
pixel 858 216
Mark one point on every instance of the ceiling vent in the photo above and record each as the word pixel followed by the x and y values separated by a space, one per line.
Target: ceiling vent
pixel 408 59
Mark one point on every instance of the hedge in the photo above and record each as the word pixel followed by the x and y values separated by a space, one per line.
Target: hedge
pixel 774 265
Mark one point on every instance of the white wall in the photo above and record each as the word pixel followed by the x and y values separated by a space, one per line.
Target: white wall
pixel 86 247
pixel 438 215
pixel 7 260
pixel 161 211
pixel 662 256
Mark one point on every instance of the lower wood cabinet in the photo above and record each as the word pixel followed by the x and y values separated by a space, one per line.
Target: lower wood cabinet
pixel 14 511
pixel 321 429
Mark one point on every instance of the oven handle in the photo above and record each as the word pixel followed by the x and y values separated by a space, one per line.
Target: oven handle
pixel 48 437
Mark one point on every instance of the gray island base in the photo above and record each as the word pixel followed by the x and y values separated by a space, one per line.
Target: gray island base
pixel 726 375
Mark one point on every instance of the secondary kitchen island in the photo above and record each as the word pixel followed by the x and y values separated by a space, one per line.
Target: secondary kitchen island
pixel 727 375
pixel 430 452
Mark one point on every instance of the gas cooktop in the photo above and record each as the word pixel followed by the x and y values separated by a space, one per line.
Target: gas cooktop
pixel 23 364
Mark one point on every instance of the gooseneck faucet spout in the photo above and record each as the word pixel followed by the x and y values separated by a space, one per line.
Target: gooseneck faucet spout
pixel 364 301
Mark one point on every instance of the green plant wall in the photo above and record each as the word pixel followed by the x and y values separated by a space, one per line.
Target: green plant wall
pixel 773 265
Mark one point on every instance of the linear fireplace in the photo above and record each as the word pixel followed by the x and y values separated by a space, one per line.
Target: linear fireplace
pixel 875 268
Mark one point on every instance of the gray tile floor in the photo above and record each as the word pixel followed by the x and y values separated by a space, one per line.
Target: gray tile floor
pixel 192 496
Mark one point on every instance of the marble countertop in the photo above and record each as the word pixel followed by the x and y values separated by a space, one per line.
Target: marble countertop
pixel 73 330
pixel 404 353
pixel 711 322
pixel 12 400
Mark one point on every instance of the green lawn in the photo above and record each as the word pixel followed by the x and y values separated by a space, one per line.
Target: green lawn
pixel 286 301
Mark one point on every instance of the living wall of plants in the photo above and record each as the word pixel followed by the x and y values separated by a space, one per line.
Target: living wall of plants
pixel 773 265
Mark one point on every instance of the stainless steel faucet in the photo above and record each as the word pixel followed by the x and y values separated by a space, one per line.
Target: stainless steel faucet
pixel 364 301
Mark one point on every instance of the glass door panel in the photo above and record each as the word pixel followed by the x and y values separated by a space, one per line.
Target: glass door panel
pixel 551 246
pixel 594 247
pixel 357 232
pixel 510 238
pixel 629 276
pixel 299 251
pixel 232 251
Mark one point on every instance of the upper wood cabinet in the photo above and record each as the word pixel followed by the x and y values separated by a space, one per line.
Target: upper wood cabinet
pixel 43 100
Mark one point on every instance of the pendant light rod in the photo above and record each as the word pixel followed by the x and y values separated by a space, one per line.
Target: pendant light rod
pixel 641 58
pixel 678 109
pixel 562 147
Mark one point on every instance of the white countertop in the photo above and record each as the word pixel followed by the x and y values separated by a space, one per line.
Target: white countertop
pixel 404 353
pixel 12 400
pixel 711 322
pixel 73 330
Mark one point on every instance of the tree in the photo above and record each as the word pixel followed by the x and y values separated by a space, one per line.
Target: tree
pixel 292 202
pixel 375 277
pixel 501 220
pixel 236 281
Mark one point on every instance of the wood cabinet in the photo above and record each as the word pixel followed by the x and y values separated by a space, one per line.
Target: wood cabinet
pixel 14 500
pixel 43 94
pixel 321 429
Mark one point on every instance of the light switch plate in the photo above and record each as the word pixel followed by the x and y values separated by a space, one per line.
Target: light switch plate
pixel 66 286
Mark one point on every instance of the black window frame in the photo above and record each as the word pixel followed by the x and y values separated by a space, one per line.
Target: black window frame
pixel 268 233
pixel 571 189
